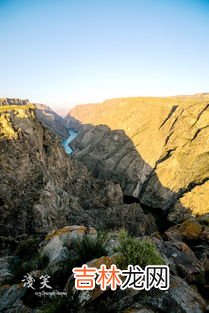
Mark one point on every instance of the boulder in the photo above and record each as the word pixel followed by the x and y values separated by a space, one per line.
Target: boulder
pixel 179 298
pixel 59 245
pixel 189 230
pixel 82 298
pixel 181 260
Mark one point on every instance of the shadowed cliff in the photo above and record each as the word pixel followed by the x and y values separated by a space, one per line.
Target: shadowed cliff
pixel 111 155
pixel 169 134
pixel 42 188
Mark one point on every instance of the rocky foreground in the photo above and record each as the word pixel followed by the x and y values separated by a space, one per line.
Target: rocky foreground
pixel 144 166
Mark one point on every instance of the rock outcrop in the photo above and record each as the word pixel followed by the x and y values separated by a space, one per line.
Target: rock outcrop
pixel 163 156
pixel 44 114
pixel 59 246
pixel 41 188
pixel 180 298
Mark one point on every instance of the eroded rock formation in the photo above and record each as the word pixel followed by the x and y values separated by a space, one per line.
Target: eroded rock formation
pixel 41 188
pixel 163 156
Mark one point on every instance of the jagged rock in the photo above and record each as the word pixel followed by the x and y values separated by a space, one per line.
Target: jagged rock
pixel 45 115
pixel 59 246
pixel 162 158
pixel 13 101
pixel 110 154
pixel 42 188
pixel 179 298
pixel 181 260
pixel 182 298
pixel 132 218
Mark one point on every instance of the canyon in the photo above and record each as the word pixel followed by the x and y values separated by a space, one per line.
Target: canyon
pixel 158 149
pixel 139 164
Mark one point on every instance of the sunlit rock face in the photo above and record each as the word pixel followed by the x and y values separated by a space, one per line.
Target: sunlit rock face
pixel 164 153
pixel 44 114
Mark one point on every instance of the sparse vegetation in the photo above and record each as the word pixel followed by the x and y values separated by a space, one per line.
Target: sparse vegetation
pixel 91 248
pixel 136 251
pixel 30 258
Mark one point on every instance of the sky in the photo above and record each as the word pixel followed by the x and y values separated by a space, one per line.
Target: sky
pixel 67 52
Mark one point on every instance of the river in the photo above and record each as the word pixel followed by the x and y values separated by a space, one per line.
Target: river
pixel 66 143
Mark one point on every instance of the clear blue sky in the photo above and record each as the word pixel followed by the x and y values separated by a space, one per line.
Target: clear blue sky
pixel 65 52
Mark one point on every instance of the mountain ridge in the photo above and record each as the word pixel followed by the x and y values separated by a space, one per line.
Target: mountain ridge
pixel 170 134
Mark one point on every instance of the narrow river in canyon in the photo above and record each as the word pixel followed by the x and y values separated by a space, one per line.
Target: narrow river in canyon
pixel 66 143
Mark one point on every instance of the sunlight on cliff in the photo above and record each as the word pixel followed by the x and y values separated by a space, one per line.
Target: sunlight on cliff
pixel 6 129
pixel 197 200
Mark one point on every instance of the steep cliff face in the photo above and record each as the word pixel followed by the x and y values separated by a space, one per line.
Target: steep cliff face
pixel 165 156
pixel 111 155
pixel 44 114
pixel 51 120
pixel 41 188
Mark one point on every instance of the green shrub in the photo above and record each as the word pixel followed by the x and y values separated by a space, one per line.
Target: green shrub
pixel 134 251
pixel 86 249
pixel 91 248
